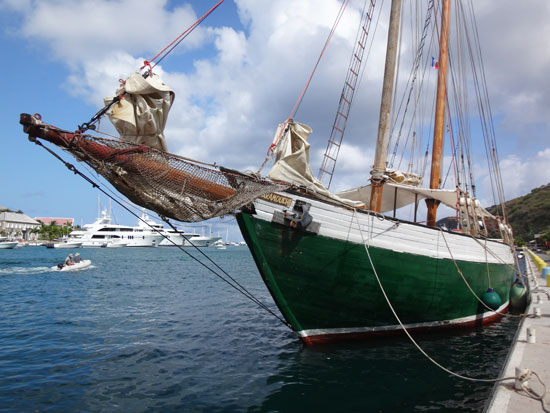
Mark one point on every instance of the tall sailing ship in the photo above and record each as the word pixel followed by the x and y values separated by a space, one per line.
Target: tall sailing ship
pixel 341 267
pixel 338 266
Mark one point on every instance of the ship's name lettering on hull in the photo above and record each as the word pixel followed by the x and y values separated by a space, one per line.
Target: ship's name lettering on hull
pixel 277 199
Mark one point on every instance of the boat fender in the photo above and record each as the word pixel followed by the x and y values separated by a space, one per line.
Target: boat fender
pixel 299 218
pixel 492 299
pixel 518 298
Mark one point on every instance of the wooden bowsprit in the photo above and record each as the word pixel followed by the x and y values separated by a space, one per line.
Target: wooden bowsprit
pixel 168 184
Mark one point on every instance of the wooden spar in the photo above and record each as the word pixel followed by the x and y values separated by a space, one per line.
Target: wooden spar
pixel 133 159
pixel 439 124
pixel 179 179
pixel 379 167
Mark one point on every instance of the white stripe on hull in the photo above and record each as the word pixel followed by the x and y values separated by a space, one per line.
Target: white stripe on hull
pixel 431 324
pixel 383 232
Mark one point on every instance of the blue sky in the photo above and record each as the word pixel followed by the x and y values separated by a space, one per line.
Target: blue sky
pixel 235 79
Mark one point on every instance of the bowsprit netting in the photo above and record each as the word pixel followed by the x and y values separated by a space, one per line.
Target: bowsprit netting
pixel 168 184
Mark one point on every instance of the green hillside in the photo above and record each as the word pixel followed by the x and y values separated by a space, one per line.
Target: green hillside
pixel 530 214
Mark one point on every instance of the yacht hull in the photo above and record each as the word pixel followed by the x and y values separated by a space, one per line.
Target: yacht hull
pixel 327 289
pixel 65 245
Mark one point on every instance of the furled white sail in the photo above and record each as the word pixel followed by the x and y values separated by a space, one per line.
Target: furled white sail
pixel 140 116
pixel 292 166
pixel 292 162
pixel 396 196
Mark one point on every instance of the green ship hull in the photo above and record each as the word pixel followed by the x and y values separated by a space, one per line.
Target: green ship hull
pixel 327 290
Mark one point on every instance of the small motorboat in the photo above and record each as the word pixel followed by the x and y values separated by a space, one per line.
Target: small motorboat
pixel 75 267
pixel 8 244
pixel 66 244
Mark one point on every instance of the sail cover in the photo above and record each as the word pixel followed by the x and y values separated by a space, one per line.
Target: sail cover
pixel 395 196
pixel 292 166
pixel 141 115
pixel 292 162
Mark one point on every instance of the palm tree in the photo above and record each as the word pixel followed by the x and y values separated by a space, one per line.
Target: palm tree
pixel 67 228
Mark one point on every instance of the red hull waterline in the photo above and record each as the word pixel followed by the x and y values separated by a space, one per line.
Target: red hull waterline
pixel 478 321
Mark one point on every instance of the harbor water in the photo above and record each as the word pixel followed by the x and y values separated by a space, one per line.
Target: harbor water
pixel 150 329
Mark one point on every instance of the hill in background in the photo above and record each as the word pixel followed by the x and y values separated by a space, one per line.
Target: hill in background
pixel 529 214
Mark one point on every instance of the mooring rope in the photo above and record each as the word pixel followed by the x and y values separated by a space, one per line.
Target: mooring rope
pixel 232 282
pixel 522 378
pixel 468 284
pixel 241 288
pixel 487 264
pixel 403 326
pixel 530 392
pixel 238 287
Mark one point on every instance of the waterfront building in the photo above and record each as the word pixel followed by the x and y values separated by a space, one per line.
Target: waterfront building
pixel 17 225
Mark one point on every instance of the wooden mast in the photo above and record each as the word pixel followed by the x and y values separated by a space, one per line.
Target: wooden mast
pixel 439 124
pixel 379 167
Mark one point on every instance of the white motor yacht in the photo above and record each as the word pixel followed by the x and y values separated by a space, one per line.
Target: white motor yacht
pixel 102 231
pixel 173 238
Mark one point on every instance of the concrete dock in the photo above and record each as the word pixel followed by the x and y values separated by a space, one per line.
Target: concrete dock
pixel 529 353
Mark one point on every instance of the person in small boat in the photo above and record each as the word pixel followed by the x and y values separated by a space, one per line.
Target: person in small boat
pixel 77 258
pixel 69 260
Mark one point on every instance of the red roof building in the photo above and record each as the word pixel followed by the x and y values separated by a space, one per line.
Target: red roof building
pixel 58 221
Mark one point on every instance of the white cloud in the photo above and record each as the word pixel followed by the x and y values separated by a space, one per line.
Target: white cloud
pixel 517 61
pixel 521 174
pixel 77 31
pixel 232 47
pixel 19 5
pixel 353 167
pixel 234 86
pixel 97 79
